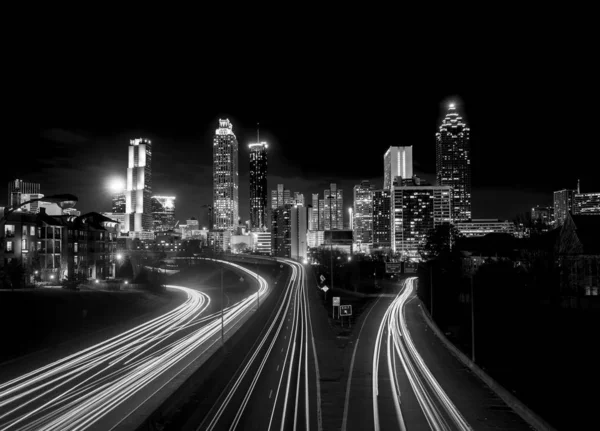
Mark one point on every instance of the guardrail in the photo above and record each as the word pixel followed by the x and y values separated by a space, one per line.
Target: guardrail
pixel 513 402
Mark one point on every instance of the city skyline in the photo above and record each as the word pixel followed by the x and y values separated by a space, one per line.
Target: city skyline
pixel 493 195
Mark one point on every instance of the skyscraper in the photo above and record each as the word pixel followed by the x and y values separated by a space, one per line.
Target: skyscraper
pixel 333 205
pixel 280 196
pixel 163 213
pixel 298 232
pixel 298 199
pixel 139 186
pixel 281 231
pixel 225 177
pixel 397 162
pixel 587 204
pixel 453 162
pixel 17 187
pixel 381 218
pixel 564 202
pixel 119 203
pixel 416 210
pixel 314 213
pixel 363 212
pixel 258 185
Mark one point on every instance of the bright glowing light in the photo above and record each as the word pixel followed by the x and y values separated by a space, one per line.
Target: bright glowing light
pixel 51 277
pixel 452 106
pixel 349 258
pixel 97 281
pixel 305 261
pixel 35 272
pixel 116 185
pixel 126 282
pixel 119 256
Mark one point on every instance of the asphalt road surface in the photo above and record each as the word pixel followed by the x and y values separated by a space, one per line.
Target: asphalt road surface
pixel 96 388
pixel 403 378
pixel 276 386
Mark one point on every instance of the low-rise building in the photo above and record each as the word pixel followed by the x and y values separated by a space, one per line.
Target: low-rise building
pixel 481 227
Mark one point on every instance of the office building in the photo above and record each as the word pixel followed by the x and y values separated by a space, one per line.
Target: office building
pixel 281 229
pixel 225 177
pixel 280 196
pixel 220 240
pixel 564 202
pixel 453 162
pixel 397 162
pixel 119 203
pixel 362 224
pixel 262 242
pixel 340 240
pixel 315 238
pixel 139 186
pixel 331 209
pixel 163 213
pixel 298 232
pixel 542 214
pixel 258 185
pixel 33 206
pixel 298 199
pixel 314 213
pixel 416 211
pixel 481 227
pixel 381 218
pixel 586 204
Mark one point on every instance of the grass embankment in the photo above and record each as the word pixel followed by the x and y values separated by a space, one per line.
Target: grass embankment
pixel 36 319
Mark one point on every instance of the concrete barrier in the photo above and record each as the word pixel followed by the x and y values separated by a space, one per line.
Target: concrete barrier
pixel 513 402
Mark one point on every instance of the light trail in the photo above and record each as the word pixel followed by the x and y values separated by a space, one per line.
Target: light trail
pixel 75 392
pixel 438 409
pixel 290 408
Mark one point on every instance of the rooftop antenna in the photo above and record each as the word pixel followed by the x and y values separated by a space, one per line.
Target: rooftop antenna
pixel 578 190
pixel 257 133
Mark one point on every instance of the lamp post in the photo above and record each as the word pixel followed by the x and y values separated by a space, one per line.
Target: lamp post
pixel 331 238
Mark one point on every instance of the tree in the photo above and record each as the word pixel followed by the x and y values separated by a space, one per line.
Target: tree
pixel 240 247
pixel 441 240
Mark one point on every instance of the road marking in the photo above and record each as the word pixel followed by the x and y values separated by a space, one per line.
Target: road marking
pixel 284 337
pixel 347 400
pixel 282 350
pixel 270 393
pixel 277 368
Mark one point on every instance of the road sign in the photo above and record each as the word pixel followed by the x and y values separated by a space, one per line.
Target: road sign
pixel 345 310
pixel 336 301
pixel 322 278
pixel 393 267
pixel 325 288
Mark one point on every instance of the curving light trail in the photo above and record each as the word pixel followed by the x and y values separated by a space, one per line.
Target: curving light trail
pixel 73 393
pixel 440 412
pixel 290 404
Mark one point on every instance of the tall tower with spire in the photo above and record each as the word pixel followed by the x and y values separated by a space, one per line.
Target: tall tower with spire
pixel 225 177
pixel 453 162
pixel 258 183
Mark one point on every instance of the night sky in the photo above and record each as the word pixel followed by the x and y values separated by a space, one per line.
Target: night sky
pixel 328 116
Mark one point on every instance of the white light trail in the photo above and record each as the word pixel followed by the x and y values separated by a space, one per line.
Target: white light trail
pixel 440 412
pixel 73 393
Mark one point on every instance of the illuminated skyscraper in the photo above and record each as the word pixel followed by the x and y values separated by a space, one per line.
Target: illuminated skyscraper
pixel 225 177
pixel 258 185
pixel 362 225
pixel 397 162
pixel 139 186
pixel 119 203
pixel 564 202
pixel 163 213
pixel 280 196
pixel 381 218
pixel 298 199
pixel 314 213
pixel 453 162
pixel 333 208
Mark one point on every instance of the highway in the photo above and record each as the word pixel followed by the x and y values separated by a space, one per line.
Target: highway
pixel 276 387
pixel 401 377
pixel 98 387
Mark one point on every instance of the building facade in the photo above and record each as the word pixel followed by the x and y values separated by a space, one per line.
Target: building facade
pixel 17 188
pixel 258 185
pixel 453 162
pixel 280 196
pixel 163 213
pixel 331 209
pixel 225 177
pixel 139 186
pixel 281 229
pixel 542 214
pixel 416 211
pixel 362 224
pixel 397 162
pixel 119 203
pixel 586 204
pixel 564 202
pixel 382 218
pixel 298 232
pixel 262 242
pixel 481 227
pixel 314 212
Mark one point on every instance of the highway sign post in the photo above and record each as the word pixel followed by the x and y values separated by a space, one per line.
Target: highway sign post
pixel 336 303
pixel 346 310
pixel 325 289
